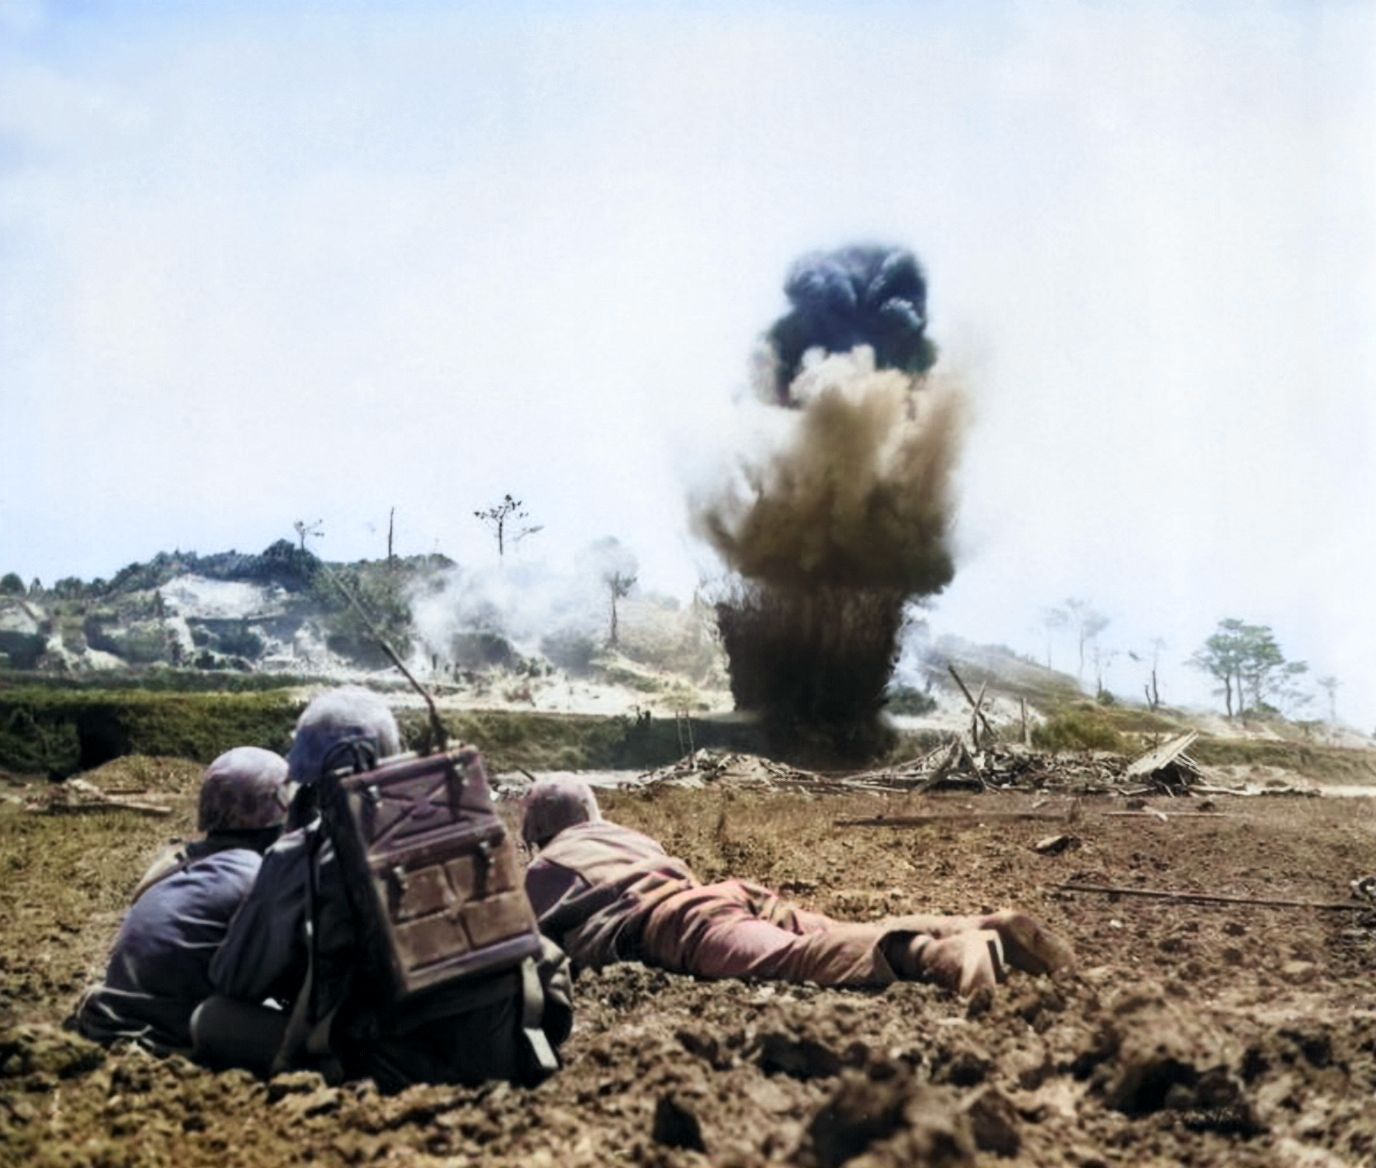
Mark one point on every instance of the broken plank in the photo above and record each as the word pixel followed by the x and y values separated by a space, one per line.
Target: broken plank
pixel 1162 756
pixel 973 704
pixel 1212 897
pixel 924 820
pixel 1171 815
pixel 58 807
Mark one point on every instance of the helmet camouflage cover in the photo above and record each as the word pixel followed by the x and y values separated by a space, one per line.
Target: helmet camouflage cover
pixel 243 790
pixel 554 803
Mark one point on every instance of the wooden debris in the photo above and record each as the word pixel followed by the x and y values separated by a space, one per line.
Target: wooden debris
pixel 1168 767
pixel 926 820
pixel 993 766
pixel 1163 816
pixel 1211 897
pixel 1250 792
pixel 979 714
pixel 76 796
pixel 1054 845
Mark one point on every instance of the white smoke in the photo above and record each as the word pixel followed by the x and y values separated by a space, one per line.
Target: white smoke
pixel 524 606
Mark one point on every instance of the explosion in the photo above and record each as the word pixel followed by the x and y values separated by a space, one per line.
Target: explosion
pixel 832 535
pixel 871 296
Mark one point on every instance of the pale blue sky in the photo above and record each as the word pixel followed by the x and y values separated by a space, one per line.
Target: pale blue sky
pixel 267 261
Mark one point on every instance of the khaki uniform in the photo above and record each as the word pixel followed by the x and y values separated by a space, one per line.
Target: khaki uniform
pixel 607 893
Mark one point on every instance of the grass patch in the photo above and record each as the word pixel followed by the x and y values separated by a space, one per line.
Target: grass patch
pixel 54 732
pixel 1136 720
pixel 1084 728
pixel 511 739
pixel 178 681
pixel 57 733
pixel 1333 764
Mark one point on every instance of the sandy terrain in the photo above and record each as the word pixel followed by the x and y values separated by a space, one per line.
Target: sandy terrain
pixel 1188 1035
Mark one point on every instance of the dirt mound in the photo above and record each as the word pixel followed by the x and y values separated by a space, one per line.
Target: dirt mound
pixel 1188 1034
pixel 141 774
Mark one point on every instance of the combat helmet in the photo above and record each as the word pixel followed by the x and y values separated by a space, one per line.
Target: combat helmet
pixel 554 803
pixel 245 789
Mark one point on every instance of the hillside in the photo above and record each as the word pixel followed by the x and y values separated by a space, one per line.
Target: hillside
pixel 524 639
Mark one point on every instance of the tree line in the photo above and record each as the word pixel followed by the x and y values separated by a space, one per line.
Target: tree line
pixel 1246 659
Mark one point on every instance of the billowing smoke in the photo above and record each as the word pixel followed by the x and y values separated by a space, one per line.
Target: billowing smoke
pixel 866 295
pixel 860 497
pixel 848 520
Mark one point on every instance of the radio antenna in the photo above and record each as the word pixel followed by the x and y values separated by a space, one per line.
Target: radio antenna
pixel 441 737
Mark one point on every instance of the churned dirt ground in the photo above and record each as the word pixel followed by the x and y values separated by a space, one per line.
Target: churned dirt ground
pixel 1187 1035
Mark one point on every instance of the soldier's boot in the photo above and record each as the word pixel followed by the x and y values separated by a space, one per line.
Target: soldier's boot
pixel 1028 944
pixel 965 961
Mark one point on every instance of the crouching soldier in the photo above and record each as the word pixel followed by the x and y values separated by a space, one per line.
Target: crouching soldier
pixel 160 965
pixel 308 935
pixel 607 893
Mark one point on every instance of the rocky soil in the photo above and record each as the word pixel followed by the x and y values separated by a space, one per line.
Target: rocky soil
pixel 1189 1034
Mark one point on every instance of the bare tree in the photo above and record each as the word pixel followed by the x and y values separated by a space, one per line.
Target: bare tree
pixel 1330 686
pixel 505 520
pixel 1053 620
pixel 1089 622
pixel 1150 686
pixel 1103 658
pixel 391 527
pixel 305 531
pixel 618 585
pixel 618 570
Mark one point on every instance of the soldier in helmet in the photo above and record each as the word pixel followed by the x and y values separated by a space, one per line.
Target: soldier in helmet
pixel 159 967
pixel 607 893
pixel 334 1019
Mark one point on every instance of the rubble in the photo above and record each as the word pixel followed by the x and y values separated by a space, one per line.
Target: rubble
pixel 955 764
pixel 952 765
pixel 1168 766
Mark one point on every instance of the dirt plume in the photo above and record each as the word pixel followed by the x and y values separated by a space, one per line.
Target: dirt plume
pixel 861 497
pixel 853 506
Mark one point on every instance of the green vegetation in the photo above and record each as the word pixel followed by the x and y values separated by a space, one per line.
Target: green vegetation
pixel 381 590
pixel 1082 728
pixel 1322 763
pixel 157 680
pixel 1248 661
pixel 904 699
pixel 1135 720
pixel 57 733
pixel 52 732
pixel 512 739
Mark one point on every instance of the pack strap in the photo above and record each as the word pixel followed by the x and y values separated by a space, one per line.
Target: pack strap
pixel 170 865
pixel 532 1019
pixel 307 1038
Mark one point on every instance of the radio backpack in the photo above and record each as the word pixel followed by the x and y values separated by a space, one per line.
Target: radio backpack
pixel 433 879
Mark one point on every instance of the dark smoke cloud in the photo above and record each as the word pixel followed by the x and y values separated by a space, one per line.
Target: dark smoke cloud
pixel 861 295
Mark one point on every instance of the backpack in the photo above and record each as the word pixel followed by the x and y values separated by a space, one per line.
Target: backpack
pixel 435 884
